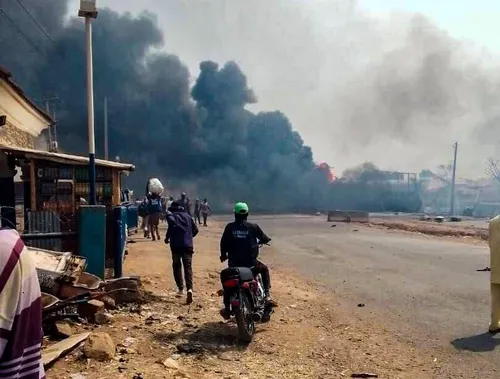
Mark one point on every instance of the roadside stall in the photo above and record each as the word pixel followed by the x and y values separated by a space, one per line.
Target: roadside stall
pixel 54 186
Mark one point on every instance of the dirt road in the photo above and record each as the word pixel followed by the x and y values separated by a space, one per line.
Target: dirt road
pixel 311 335
pixel 424 289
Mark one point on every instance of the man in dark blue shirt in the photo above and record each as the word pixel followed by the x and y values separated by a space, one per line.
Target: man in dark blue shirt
pixel 153 211
pixel 181 231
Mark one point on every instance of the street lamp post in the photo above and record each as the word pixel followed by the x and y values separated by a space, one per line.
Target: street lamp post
pixel 88 10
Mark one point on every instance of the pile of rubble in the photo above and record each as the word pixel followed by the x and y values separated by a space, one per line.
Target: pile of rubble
pixel 73 299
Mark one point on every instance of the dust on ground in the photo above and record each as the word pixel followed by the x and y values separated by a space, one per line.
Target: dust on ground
pixel 446 229
pixel 310 335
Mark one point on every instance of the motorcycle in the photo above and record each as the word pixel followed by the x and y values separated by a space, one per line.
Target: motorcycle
pixel 245 300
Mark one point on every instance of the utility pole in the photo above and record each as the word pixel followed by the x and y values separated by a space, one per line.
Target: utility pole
pixel 452 206
pixel 55 145
pixel 106 152
pixel 52 129
pixel 88 10
pixel 47 110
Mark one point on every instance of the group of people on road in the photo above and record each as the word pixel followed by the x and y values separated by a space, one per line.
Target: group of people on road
pixel 239 245
pixel 21 311
pixel 154 209
pixel 201 208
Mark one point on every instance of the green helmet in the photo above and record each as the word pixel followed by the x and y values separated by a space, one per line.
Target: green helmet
pixel 241 208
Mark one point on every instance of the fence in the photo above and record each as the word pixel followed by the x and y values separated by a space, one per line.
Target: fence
pixel 50 231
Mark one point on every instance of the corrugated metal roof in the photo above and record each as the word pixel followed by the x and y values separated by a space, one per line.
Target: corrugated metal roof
pixel 63 158
pixel 7 77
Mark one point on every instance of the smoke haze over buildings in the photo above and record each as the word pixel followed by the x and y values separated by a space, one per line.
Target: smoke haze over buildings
pixel 394 89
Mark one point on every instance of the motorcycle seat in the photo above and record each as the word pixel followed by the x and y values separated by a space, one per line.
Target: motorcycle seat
pixel 245 274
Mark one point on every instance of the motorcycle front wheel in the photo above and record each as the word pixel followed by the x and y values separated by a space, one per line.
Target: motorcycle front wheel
pixel 243 316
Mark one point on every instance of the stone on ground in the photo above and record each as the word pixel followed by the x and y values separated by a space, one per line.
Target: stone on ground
pixel 89 310
pixel 99 346
pixel 64 329
pixel 102 318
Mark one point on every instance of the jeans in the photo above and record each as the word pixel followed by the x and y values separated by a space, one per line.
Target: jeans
pixel 153 221
pixel 261 268
pixel 183 257
pixel 145 226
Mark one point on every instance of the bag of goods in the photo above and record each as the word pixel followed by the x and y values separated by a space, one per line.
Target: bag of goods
pixel 155 187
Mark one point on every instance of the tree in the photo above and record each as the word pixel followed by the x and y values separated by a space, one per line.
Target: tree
pixel 493 170
pixel 426 173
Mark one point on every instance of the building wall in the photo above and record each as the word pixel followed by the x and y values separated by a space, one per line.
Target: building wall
pixel 24 122
pixel 12 136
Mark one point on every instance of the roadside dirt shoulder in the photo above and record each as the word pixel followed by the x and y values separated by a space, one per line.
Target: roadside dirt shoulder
pixel 432 228
pixel 309 335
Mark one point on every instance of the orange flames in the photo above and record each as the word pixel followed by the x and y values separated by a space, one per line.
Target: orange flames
pixel 323 166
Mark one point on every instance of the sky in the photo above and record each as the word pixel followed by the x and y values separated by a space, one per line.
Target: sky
pixel 394 82
pixel 476 21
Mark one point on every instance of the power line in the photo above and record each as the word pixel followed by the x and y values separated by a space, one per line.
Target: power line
pixel 34 20
pixel 19 30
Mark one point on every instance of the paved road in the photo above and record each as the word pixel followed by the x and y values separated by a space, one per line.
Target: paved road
pixel 425 288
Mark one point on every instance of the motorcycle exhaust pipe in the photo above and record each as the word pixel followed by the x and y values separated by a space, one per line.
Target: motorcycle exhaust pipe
pixel 257 316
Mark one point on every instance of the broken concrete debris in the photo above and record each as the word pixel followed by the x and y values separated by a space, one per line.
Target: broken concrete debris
pixel 99 346
pixel 170 364
pixel 90 309
pixel 50 354
pixel 102 318
pixel 63 329
pixel 109 303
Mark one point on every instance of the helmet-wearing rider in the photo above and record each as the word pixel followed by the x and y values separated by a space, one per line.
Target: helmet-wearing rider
pixel 240 245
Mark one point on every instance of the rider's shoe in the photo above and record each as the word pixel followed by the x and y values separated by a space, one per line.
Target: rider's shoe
pixel 179 293
pixel 225 313
pixel 189 297
pixel 269 300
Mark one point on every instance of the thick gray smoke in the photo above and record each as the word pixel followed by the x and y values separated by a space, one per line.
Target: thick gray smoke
pixel 201 138
pixel 395 90
pixel 392 89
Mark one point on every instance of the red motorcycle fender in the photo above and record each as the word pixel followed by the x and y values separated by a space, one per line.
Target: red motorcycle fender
pixel 234 300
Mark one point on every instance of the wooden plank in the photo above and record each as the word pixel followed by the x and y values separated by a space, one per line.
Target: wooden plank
pixel 52 353
pixel 116 188
pixel 33 185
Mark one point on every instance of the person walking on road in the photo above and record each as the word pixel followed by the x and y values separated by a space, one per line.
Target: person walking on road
pixel 20 311
pixel 197 210
pixel 205 211
pixel 180 233
pixel 153 210
pixel 185 203
pixel 143 213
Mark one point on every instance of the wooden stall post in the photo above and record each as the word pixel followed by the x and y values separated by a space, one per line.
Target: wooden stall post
pixel 32 185
pixel 116 187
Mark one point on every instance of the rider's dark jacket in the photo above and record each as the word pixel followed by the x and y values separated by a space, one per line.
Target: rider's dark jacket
pixel 240 242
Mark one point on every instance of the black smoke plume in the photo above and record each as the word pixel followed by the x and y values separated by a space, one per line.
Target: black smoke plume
pixel 200 139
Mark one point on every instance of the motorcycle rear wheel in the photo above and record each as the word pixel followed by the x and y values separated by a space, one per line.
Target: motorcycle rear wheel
pixel 243 316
